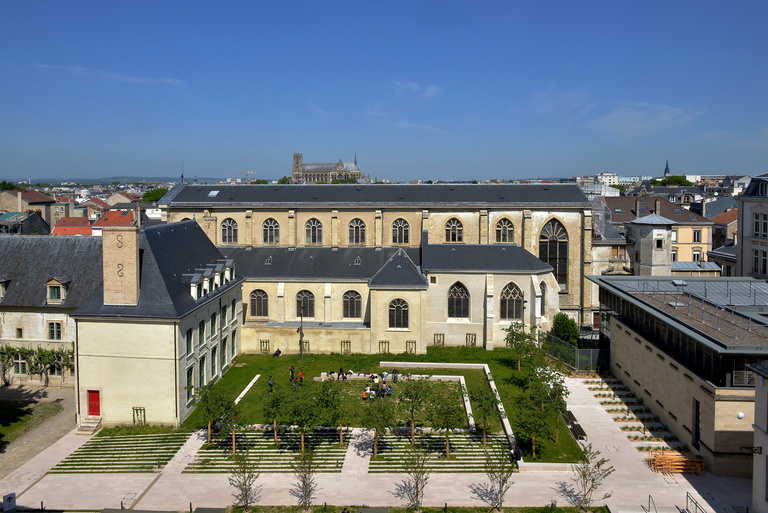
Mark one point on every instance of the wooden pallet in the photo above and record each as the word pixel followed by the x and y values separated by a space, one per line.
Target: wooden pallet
pixel 668 462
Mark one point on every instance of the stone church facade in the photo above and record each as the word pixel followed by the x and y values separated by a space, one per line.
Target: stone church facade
pixel 313 173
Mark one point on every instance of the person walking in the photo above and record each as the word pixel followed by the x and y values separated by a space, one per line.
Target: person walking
pixel 293 374
pixel 301 377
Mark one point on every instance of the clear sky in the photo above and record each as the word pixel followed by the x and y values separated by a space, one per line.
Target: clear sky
pixel 419 89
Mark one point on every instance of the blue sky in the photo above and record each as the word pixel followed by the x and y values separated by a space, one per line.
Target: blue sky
pixel 419 89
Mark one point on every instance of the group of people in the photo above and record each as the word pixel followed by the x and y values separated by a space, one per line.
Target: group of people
pixel 378 387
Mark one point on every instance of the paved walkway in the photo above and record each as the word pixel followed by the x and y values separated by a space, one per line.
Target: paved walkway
pixel 32 443
pixel 537 485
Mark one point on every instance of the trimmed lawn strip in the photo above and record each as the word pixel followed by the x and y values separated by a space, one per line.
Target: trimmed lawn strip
pixel 16 418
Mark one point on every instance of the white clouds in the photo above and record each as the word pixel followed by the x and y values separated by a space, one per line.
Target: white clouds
pixel 551 103
pixel 105 75
pixel 404 86
pixel 638 119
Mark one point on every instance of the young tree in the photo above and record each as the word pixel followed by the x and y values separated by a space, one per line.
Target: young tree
pixel 378 415
pixel 499 468
pixel 531 419
pixel 231 421
pixel 243 477
pixel 302 410
pixel 447 413
pixel 484 405
pixel 553 393
pixel 565 328
pixel 589 475
pixel 212 403
pixel 413 394
pixel 7 354
pixel 42 361
pixel 416 460
pixel 329 403
pixel 522 343
pixel 284 180
pixel 275 408
pixel 305 468
pixel 154 195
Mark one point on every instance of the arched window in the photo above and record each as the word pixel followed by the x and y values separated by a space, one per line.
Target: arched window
pixel 314 231
pixel 357 232
pixel 553 249
pixel 352 305
pixel 228 231
pixel 305 301
pixel 400 231
pixel 398 314
pixel 458 301
pixel 543 305
pixel 259 303
pixel 511 303
pixel 271 230
pixel 454 231
pixel 505 231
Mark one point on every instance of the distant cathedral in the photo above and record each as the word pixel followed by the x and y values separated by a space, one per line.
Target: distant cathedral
pixel 313 173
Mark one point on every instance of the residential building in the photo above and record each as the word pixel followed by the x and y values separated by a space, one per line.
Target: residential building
pixel 27 199
pixel 724 229
pixel 683 346
pixel 43 280
pixel 23 223
pixel 752 256
pixel 78 226
pixel 117 218
pixel 123 197
pixel 725 257
pixel 96 208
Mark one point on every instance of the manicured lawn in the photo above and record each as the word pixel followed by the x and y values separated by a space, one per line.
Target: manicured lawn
pixel 18 418
pixel 501 362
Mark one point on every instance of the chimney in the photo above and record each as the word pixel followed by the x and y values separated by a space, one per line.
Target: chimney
pixel 637 207
pixel 120 247
pixel 703 208
pixel 657 209
pixel 18 201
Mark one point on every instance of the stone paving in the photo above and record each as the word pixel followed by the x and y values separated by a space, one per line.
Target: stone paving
pixel 536 485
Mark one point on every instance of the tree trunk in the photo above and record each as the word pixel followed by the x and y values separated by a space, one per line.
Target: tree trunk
pixel 447 447
pixel 375 444
pixel 302 440
pixel 209 431
pixel 341 434
pixel 413 433
pixel 274 426
pixel 557 429
pixel 233 442
pixel 533 439
pixel 485 426
pixel 518 363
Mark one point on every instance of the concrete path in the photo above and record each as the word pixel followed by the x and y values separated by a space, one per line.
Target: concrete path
pixel 32 443
pixel 537 485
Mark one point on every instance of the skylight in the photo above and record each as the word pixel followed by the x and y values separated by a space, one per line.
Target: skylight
pixel 677 211
pixel 619 211
pixel 213 194
pixel 693 217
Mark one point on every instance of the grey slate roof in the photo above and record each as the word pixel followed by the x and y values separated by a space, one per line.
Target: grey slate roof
pixel 311 263
pixel 653 219
pixel 399 272
pixel 168 252
pixel 28 262
pixel 760 367
pixel 413 195
pixel 507 258
pixel 694 266
pixel 727 251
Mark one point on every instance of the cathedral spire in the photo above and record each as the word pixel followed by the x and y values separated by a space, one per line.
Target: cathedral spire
pixel 355 157
pixel 666 169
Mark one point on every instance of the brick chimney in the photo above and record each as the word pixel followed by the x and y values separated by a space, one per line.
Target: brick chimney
pixel 657 208
pixel 120 247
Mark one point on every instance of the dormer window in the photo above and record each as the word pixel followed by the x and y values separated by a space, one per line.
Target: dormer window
pixel 56 292
pixel 199 290
pixel 762 188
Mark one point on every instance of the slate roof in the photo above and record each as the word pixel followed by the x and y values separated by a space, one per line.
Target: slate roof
pixel 402 195
pixel 653 219
pixel 694 266
pixel 623 210
pixel 718 206
pixel 311 263
pixel 32 196
pixel 168 251
pixel 507 258
pixel 21 263
pixel 399 272
pixel 760 368
pixel 728 252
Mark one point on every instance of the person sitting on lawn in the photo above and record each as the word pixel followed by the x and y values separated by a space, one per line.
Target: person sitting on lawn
pixel 384 375
pixel 341 374
pixel 277 353
pixel 365 394
pixel 271 384
pixel 389 390
pixel 394 375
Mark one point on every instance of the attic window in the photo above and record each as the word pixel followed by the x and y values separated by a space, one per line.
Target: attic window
pixel 213 194
pixel 268 261
pixel 643 211
pixel 125 213
pixel 693 217
pixel 677 211
pixel 357 261
pixel 619 211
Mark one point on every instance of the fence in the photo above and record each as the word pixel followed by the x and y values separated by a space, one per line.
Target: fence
pixel 569 354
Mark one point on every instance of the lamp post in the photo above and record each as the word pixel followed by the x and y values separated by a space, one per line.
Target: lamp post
pixel 301 329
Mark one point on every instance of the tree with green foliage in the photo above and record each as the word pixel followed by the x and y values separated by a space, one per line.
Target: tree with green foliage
pixel 231 421
pixel 484 405
pixel 42 361
pixel 379 414
pixel 213 404
pixel 532 421
pixel 553 393
pixel 446 414
pixel 329 403
pixel 7 354
pixel 565 328
pixel 675 180
pixel 413 394
pixel 244 475
pixel 589 475
pixel 621 188
pixel 275 408
pixel 522 342
pixel 259 182
pixel 154 195
pixel 9 186
pixel 284 180
pixel 302 410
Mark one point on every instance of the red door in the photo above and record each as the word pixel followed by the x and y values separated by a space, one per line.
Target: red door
pixel 94 405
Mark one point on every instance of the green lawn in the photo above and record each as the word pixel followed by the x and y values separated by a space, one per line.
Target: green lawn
pixel 17 418
pixel 501 362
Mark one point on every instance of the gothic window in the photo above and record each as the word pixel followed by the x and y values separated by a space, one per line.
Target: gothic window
pixel 305 301
pixel 458 301
pixel 228 231
pixel 512 303
pixel 352 304
pixel 543 305
pixel 553 249
pixel 398 314
pixel 400 231
pixel 505 231
pixel 314 230
pixel 259 303
pixel 271 231
pixel 453 230
pixel 357 232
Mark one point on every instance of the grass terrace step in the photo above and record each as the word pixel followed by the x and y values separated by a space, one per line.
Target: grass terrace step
pixel 123 453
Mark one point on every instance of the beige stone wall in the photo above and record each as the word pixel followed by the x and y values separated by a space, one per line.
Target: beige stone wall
pixel 398 338
pixel 669 390
pixel 760 461
pixel 120 265
pixel 685 244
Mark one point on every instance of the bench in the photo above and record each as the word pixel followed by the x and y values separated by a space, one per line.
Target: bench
pixel 578 432
pixel 570 417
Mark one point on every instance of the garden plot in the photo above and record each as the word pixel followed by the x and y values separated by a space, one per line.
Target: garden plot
pixel 467 452
pixel 329 456
pixel 128 453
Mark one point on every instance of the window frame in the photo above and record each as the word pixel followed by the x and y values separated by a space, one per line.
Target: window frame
pixel 400 231
pixel 356 232
pixel 458 301
pixel 454 231
pixel 554 236
pixel 505 231
pixel 310 306
pixel 229 231
pixel 270 232
pixel 259 303
pixel 54 330
pixel 352 305
pixel 313 229
pixel 511 303
pixel 398 314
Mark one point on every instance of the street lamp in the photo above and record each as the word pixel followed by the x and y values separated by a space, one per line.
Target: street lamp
pixel 301 328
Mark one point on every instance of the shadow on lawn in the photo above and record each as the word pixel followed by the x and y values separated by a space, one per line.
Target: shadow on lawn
pixel 15 403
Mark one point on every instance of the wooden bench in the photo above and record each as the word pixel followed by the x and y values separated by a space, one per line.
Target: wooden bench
pixel 570 417
pixel 668 462
pixel 578 432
